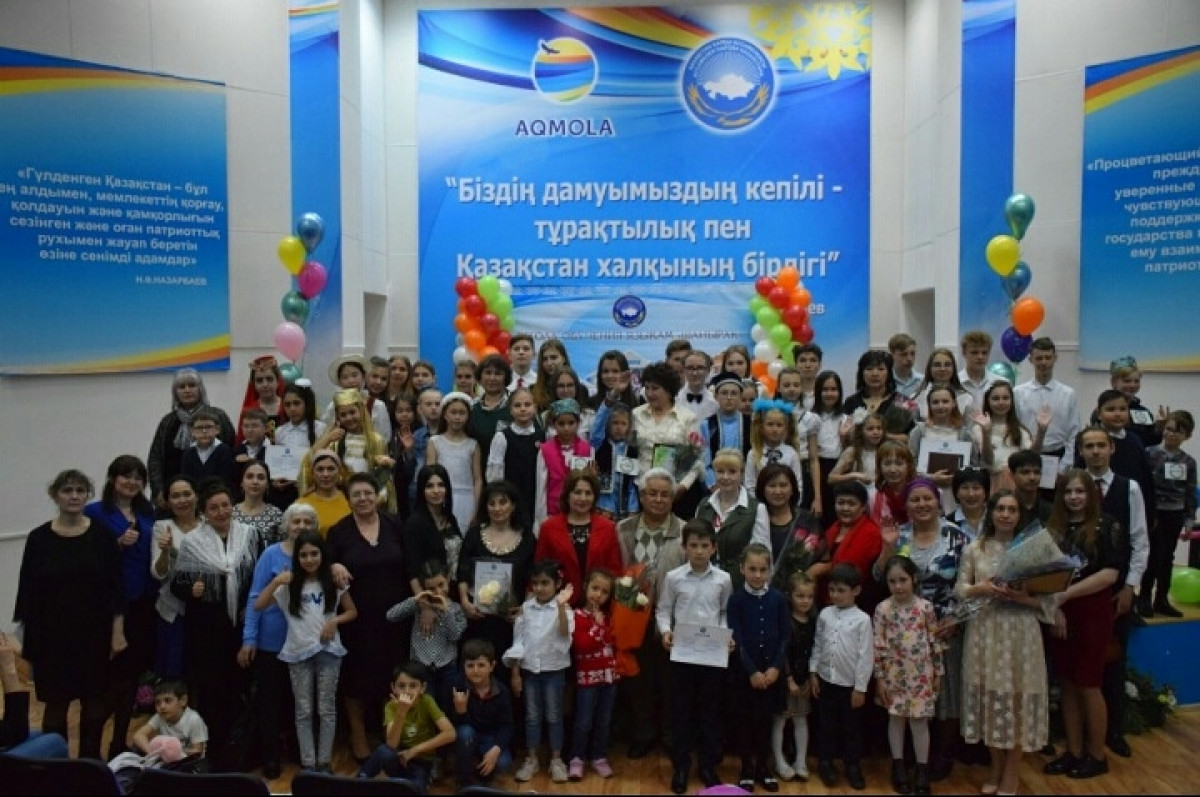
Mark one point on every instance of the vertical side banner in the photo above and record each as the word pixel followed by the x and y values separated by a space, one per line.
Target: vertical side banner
pixel 114 252
pixel 627 174
pixel 316 167
pixel 1140 269
pixel 989 68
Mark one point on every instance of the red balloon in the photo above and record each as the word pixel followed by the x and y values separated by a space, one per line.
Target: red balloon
pixel 490 322
pixel 805 333
pixel 794 315
pixel 502 340
pixel 764 285
pixel 475 306
pixel 465 286
pixel 778 297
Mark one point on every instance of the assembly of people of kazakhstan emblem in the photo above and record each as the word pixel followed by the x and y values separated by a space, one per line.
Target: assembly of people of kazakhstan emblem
pixel 629 311
pixel 728 84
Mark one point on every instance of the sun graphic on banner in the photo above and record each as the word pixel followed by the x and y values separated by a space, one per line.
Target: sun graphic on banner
pixel 825 36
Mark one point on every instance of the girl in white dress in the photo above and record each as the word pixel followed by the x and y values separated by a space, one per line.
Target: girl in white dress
pixel 458 453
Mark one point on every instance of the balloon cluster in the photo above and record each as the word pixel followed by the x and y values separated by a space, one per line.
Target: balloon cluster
pixel 1027 313
pixel 485 318
pixel 309 278
pixel 780 310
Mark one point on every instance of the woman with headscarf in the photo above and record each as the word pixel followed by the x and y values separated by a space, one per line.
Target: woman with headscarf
pixel 174 433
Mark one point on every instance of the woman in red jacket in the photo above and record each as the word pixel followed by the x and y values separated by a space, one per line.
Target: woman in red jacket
pixel 580 538
pixel 854 537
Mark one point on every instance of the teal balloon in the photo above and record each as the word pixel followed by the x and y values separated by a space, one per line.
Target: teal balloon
pixel 1019 210
pixel 291 372
pixel 489 289
pixel 1185 585
pixel 767 317
pixel 294 307
pixel 780 336
pixel 1004 371
pixel 757 303
pixel 1018 280
pixel 502 305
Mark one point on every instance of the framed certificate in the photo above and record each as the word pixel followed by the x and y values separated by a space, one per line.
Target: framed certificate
pixel 1049 472
pixel 943 455
pixel 706 645
pixel 284 461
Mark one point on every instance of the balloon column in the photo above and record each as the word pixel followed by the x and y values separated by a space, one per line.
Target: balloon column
pixel 1026 313
pixel 780 310
pixel 309 278
pixel 485 317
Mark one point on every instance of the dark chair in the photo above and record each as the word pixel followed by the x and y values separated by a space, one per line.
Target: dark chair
pixel 163 781
pixel 25 776
pixel 479 789
pixel 318 783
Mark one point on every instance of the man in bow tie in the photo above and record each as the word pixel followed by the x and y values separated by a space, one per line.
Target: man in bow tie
pixel 695 395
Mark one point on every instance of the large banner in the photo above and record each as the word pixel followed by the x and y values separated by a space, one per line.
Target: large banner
pixel 632 171
pixel 113 219
pixel 989 70
pixel 1140 248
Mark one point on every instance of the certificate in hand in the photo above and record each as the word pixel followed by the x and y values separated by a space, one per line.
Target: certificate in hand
pixel 284 461
pixel 707 645
pixel 943 455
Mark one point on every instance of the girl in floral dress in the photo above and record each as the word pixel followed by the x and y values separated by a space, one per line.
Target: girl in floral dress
pixel 908 670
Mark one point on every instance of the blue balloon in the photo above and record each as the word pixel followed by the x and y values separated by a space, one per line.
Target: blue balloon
pixel 1016 282
pixel 1015 345
pixel 310 229
pixel 1019 210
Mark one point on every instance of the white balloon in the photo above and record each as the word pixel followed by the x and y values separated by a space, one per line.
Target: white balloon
pixel 506 287
pixel 758 333
pixel 459 339
pixel 461 355
pixel 775 367
pixel 764 352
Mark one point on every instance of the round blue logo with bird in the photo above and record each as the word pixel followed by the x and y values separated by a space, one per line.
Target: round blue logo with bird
pixel 564 70
pixel 728 84
pixel 629 311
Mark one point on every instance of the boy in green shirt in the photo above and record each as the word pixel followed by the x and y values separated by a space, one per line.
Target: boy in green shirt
pixel 414 729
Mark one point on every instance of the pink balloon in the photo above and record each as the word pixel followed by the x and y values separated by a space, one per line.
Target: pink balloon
pixel 290 340
pixel 312 279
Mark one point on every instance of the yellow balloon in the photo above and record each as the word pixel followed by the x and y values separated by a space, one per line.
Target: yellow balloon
pixel 291 254
pixel 1003 252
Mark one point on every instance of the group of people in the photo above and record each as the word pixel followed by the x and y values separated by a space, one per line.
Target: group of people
pixel 436 570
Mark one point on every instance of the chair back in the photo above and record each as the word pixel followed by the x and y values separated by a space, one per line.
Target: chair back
pixel 85 776
pixel 319 783
pixel 227 784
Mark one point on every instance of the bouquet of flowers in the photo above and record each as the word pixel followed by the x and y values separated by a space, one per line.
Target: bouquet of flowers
pixel 678 458
pixel 495 598
pixel 803 548
pixel 1149 705
pixel 1034 563
pixel 630 616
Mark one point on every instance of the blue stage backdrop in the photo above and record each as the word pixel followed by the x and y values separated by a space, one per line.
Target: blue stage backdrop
pixel 113 219
pixel 633 171
pixel 1140 248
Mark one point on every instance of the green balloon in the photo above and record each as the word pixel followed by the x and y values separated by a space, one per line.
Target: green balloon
pixel 767 317
pixel 1185 585
pixel 502 305
pixel 507 323
pixel 291 372
pixel 757 303
pixel 489 289
pixel 1004 371
pixel 788 353
pixel 294 307
pixel 780 336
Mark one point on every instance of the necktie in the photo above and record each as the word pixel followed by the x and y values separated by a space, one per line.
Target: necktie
pixel 695 398
pixel 520 382
pixel 1103 485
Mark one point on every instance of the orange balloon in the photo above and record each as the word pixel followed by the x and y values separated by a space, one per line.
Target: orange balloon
pixel 758 368
pixel 462 307
pixel 788 278
pixel 474 339
pixel 488 350
pixel 1027 315
pixel 462 323
pixel 768 382
pixel 802 297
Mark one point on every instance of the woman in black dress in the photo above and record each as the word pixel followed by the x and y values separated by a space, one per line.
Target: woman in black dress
pixel 71 605
pixel 432 531
pixel 368 555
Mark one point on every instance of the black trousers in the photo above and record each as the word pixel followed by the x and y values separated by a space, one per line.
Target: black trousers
pixel 1156 583
pixel 841 724
pixel 696 716
pixel 1113 687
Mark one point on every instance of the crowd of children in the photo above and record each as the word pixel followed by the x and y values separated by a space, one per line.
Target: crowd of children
pixel 755 481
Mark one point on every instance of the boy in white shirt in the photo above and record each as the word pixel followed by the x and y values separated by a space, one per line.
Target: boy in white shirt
pixel 841 663
pixel 172 717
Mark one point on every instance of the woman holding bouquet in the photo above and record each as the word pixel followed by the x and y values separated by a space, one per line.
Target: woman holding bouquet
pixel 792 534
pixel 579 538
pixel 1086 607
pixel 1005 695
pixel 935 546
pixel 667 433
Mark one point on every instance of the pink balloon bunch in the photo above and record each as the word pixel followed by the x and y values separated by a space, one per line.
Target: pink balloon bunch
pixel 310 279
